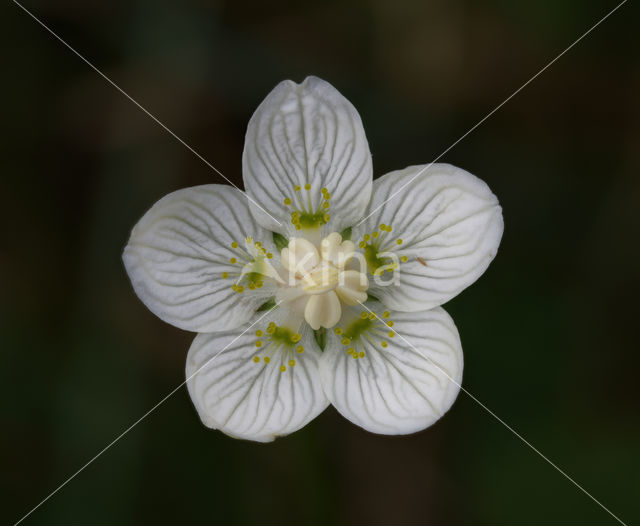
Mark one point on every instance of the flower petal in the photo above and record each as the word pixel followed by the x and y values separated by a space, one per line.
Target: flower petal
pixel 180 250
pixel 307 134
pixel 397 387
pixel 249 399
pixel 445 222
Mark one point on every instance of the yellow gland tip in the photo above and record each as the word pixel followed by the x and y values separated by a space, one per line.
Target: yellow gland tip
pixel 292 363
pixel 297 188
pixel 287 201
pixel 325 204
pixel 225 275
pixel 307 186
pixel 267 359
pixel 386 314
pixel 384 343
pixel 366 237
pixel 404 259
pixel 269 255
pixel 346 341
pixel 337 330
pixel 372 315
pixel 350 350
pixel 299 349
pixel 361 354
pixel 233 261
pixel 362 244
pixel 391 334
pixel 364 315
pixel 390 323
pixel 296 337
pixel 258 343
pixel 399 241
pixel 256 359
pixel 375 234
pixel 283 368
pixel 234 245
pixel 259 333
pixel 326 218
pixel 324 190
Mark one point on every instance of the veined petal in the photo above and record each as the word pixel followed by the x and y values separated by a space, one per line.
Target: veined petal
pixel 187 256
pixel 254 392
pixel 393 385
pixel 446 229
pixel 307 134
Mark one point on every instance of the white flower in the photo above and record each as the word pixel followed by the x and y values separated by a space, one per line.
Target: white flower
pixel 209 260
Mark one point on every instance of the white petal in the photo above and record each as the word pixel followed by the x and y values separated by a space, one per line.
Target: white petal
pixel 450 225
pixel 179 249
pixel 307 133
pixel 404 387
pixel 323 310
pixel 254 401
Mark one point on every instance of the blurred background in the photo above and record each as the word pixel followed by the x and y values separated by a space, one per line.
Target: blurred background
pixel 550 332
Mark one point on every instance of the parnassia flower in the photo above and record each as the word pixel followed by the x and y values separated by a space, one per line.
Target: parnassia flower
pixel 319 285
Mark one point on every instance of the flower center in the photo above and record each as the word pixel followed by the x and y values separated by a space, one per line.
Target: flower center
pixel 305 214
pixel 321 281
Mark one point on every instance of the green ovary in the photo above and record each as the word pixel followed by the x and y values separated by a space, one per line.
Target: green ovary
pixel 285 336
pixel 357 328
pixel 372 259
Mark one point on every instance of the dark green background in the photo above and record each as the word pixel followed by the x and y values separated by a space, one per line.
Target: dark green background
pixel 549 332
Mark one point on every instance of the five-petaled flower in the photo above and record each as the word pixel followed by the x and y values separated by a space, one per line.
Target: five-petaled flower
pixel 357 270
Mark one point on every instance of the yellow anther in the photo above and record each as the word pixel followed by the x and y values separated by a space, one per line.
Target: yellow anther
pixel 234 245
pixel 266 359
pixel 383 227
pixel 292 363
pixel 287 201
pixel 299 349
pixel 346 341
pixel 391 334
pixel 307 186
pixel 324 190
pixel 258 343
pixel 325 204
pixel 363 315
pixel 225 275
pixel 326 218
pixel 366 237
pixel 388 229
pixel 296 337
pixel 404 259
pixel 252 286
pixel 390 323
pixel 374 234
pixel 327 196
pixel 269 255
pixel 239 288
pixel 361 354
pixel 259 284
pixel 283 368
pixel 233 261
pixel 372 315
pixel 257 244
pixel 350 350
pixel 259 333
pixel 355 355
pixel 271 330
pixel 337 330
pixel 256 359
pixel 362 244
pixel 384 343
pixel 272 324
pixel 386 314
pixel 297 188
pixel 399 241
